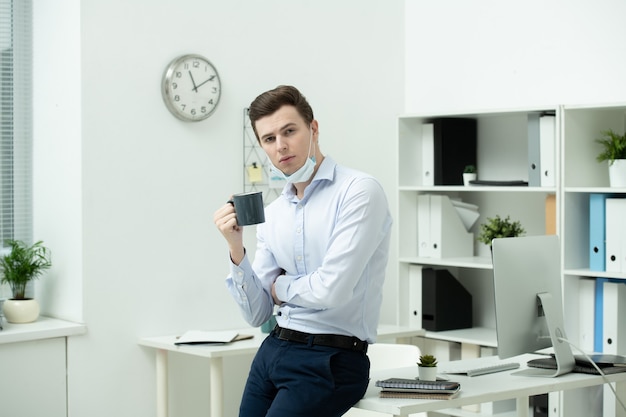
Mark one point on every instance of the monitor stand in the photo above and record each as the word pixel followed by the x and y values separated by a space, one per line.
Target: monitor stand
pixel 562 351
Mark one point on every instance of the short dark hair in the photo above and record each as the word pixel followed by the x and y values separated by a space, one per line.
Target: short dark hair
pixel 270 101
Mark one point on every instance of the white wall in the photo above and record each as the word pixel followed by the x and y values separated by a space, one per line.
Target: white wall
pixel 486 54
pixel 125 193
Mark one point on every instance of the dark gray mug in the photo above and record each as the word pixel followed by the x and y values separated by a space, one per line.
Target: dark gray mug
pixel 249 208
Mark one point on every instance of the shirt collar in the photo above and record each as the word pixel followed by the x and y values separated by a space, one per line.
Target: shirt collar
pixel 326 171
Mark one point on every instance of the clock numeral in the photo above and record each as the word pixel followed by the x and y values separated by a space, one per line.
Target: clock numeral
pixel 203 109
pixel 178 74
pixel 174 86
pixel 211 102
pixel 176 97
pixel 196 64
pixel 193 112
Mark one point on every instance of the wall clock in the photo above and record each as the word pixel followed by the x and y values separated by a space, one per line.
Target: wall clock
pixel 191 87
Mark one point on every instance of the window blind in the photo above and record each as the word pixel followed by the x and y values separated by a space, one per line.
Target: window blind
pixel 16 210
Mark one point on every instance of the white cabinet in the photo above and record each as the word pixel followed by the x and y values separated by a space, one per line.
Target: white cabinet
pixel 33 378
pixel 502 155
pixel 33 367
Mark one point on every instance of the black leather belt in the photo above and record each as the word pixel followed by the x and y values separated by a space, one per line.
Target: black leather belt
pixel 331 340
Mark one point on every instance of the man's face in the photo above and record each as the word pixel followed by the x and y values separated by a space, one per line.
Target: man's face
pixel 285 138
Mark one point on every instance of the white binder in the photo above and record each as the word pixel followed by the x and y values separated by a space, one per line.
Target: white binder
pixel 441 232
pixel 547 148
pixel 428 154
pixel 613 312
pixel 586 308
pixel 615 233
pixel 541 150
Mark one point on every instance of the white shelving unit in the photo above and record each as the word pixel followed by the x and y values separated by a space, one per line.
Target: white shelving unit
pixel 502 154
pixel 582 176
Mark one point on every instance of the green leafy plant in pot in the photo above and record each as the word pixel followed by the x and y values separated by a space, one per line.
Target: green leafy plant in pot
pixel 614 151
pixel 427 368
pixel 497 227
pixel 469 174
pixel 21 265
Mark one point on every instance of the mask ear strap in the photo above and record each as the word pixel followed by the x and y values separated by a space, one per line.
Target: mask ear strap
pixel 310 142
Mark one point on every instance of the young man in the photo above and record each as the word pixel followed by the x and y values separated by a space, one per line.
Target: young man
pixel 321 257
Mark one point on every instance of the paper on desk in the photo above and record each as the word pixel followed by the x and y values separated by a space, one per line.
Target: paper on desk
pixel 202 336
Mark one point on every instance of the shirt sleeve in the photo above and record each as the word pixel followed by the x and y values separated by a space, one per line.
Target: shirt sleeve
pixel 362 223
pixel 254 299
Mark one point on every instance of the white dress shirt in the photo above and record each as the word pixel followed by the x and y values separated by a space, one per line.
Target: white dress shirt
pixel 327 253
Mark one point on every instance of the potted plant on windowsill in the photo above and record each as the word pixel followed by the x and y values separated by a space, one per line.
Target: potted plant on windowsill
pixel 427 367
pixel 497 227
pixel 613 151
pixel 469 174
pixel 21 265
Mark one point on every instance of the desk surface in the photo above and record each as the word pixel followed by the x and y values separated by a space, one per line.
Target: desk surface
pixel 478 389
pixel 243 347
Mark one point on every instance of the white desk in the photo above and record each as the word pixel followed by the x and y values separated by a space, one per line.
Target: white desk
pixel 215 353
pixel 481 389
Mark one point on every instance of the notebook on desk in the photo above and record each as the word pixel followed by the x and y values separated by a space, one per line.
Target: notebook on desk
pixel 200 337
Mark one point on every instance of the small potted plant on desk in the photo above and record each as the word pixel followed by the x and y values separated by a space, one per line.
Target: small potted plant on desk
pixel 497 227
pixel 614 151
pixel 469 174
pixel 427 367
pixel 21 265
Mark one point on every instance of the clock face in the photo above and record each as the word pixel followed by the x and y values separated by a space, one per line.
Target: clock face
pixel 191 88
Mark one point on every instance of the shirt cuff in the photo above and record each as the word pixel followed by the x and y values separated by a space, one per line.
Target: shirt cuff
pixel 239 272
pixel 282 287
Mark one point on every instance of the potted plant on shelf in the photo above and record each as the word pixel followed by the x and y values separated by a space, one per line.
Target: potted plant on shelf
pixel 21 265
pixel 613 151
pixel 497 227
pixel 427 367
pixel 469 174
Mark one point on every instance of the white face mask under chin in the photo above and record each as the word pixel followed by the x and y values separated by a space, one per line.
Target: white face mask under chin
pixel 303 174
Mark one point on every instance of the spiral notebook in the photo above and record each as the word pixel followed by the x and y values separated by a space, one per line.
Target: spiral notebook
pixel 418 386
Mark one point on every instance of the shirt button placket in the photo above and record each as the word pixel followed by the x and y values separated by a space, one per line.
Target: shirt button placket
pixel 299 239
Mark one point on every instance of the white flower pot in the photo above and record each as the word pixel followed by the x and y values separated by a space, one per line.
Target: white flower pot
pixel 617 173
pixel 468 177
pixel 427 373
pixel 21 311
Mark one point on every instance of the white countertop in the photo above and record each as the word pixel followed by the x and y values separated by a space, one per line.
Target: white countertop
pixel 43 328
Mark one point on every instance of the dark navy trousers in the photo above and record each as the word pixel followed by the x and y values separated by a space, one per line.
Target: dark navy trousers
pixel 299 380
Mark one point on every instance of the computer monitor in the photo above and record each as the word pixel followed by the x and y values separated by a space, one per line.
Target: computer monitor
pixel 529 307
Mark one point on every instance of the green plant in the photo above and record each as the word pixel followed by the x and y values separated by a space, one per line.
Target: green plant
pixel 614 146
pixel 497 227
pixel 23 264
pixel 427 361
pixel 469 169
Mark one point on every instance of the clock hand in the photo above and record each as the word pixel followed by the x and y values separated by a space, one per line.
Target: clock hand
pixel 211 78
pixel 195 87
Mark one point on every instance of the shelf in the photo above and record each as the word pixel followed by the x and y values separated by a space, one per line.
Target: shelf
pixel 459 412
pixel 591 190
pixel 43 328
pixel 482 336
pixel 475 262
pixel 586 272
pixel 478 188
